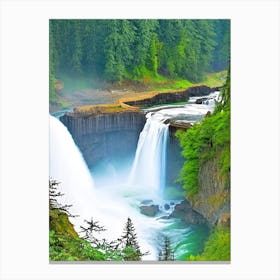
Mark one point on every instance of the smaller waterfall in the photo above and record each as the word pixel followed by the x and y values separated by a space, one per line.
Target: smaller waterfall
pixel 149 167
pixel 148 170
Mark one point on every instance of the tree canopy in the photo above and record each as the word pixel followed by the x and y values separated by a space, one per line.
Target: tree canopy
pixel 116 49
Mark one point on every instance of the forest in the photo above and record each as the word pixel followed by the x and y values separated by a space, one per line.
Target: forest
pixel 195 53
pixel 116 50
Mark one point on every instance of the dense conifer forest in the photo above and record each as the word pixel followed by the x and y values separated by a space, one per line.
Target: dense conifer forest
pixel 115 50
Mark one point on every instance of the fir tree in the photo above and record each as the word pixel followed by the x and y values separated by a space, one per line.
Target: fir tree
pixel 166 254
pixel 131 250
pixel 53 195
pixel 89 230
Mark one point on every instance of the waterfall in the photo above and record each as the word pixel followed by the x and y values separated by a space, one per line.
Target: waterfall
pixel 149 166
pixel 110 200
pixel 105 204
pixel 148 171
pixel 68 167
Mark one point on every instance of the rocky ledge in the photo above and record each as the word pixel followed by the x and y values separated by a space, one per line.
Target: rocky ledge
pixel 169 97
pixel 185 212
pixel 182 211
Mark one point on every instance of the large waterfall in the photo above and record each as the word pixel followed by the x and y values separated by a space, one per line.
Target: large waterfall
pixel 105 203
pixel 110 199
pixel 148 170
pixel 68 167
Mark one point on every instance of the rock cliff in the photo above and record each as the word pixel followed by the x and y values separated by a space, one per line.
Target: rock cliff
pixel 174 158
pixel 105 136
pixel 213 198
pixel 172 97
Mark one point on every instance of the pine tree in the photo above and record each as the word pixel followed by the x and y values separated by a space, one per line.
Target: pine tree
pixel 131 249
pixel 129 237
pixel 118 49
pixel 166 254
pixel 152 57
pixel 53 195
pixel 89 230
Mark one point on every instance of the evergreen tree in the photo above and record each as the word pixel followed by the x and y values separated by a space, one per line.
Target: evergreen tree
pixel 89 230
pixel 51 66
pixel 53 195
pixel 118 52
pixel 129 237
pixel 128 241
pixel 152 57
pixel 221 53
pixel 117 49
pixel 166 254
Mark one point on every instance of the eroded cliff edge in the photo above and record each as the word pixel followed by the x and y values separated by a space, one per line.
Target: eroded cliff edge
pixel 105 135
pixel 213 197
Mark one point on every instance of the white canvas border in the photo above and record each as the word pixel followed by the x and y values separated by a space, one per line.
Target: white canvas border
pixel 24 138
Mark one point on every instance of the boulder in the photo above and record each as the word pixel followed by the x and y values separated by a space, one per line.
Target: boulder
pixel 200 100
pixel 166 206
pixel 149 210
pixel 184 212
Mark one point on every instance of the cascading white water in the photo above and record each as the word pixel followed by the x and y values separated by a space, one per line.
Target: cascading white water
pixel 149 167
pixel 148 170
pixel 111 201
pixel 68 167
pixel 106 204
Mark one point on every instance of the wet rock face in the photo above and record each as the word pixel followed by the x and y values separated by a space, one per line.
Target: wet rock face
pixel 149 210
pixel 115 135
pixel 105 136
pixel 174 158
pixel 163 98
pixel 184 212
pixel 213 197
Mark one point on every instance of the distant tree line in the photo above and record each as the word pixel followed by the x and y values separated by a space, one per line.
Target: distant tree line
pixel 114 50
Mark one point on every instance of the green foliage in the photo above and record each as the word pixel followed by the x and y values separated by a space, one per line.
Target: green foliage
pixel 66 245
pixel 64 242
pixel 131 254
pixel 152 57
pixel 215 79
pixel 204 141
pixel 221 54
pixel 166 253
pixel 51 66
pixel 217 247
pixel 110 49
pixel 128 241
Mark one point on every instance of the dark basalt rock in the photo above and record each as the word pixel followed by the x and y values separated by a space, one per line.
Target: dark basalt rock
pixel 105 136
pixel 166 206
pixel 167 121
pixel 200 100
pixel 172 97
pixel 184 212
pixel 149 210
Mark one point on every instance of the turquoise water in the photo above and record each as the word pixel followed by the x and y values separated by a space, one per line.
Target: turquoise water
pixel 185 240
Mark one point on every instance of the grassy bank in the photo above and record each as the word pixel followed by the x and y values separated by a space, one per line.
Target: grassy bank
pixel 161 83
